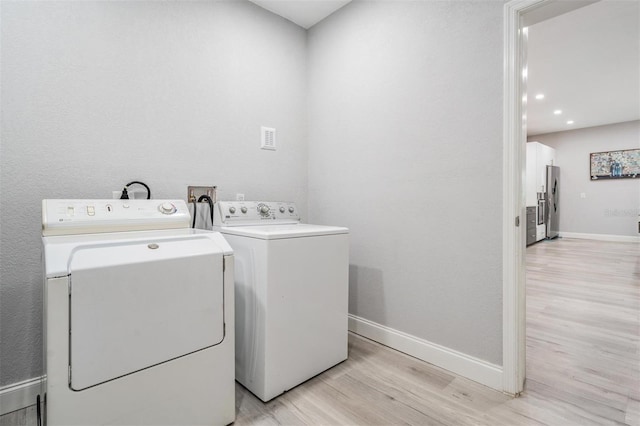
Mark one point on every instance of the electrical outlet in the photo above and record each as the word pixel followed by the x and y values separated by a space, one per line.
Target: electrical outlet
pixel 116 194
pixel 239 197
pixel 195 192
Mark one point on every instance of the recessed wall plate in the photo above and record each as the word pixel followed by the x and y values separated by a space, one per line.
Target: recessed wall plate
pixel 195 192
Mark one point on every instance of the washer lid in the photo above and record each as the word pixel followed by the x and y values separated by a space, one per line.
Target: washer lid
pixel 277 232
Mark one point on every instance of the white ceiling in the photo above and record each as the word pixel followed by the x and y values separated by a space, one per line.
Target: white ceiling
pixel 587 64
pixel 305 13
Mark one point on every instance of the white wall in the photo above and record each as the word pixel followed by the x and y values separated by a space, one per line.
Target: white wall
pixel 95 94
pixel 611 207
pixel 405 148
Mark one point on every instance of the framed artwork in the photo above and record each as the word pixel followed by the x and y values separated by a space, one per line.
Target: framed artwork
pixel 615 164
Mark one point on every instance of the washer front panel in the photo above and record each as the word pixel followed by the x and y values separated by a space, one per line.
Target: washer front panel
pixel 291 308
pixel 245 213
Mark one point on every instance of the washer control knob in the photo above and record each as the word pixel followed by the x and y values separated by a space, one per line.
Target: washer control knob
pixel 166 208
pixel 263 209
pixel 281 209
pixel 243 209
pixel 291 209
pixel 232 210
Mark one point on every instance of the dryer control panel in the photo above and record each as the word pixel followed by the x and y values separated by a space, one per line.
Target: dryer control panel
pixel 245 213
pixel 71 217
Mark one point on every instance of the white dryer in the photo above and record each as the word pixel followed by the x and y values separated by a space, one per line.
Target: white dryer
pixel 138 316
pixel 291 294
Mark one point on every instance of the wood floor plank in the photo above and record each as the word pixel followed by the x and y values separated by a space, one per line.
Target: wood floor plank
pixel 633 412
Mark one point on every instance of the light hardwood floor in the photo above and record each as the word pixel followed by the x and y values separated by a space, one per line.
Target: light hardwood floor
pixel 583 361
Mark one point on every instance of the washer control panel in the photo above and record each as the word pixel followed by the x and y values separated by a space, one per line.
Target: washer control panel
pixel 243 213
pixel 70 217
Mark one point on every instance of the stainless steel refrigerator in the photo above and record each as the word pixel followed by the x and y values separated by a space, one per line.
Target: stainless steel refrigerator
pixel 553 212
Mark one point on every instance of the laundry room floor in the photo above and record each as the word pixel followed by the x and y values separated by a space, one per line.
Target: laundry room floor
pixel 375 386
pixel 583 361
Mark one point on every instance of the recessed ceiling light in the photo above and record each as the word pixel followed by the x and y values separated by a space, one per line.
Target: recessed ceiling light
pixel 570 122
pixel 540 96
pixel 557 112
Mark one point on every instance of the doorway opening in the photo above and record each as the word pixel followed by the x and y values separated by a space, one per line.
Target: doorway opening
pixel 518 16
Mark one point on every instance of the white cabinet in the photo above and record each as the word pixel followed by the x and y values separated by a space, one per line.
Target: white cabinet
pixel 531 178
pixel 539 156
pixel 546 156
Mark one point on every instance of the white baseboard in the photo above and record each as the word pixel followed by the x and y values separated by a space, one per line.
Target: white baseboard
pixel 457 362
pixel 601 237
pixel 19 395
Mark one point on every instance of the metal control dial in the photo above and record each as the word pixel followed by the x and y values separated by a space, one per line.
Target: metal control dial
pixel 164 208
pixel 282 210
pixel 291 209
pixel 243 209
pixel 232 210
pixel 264 210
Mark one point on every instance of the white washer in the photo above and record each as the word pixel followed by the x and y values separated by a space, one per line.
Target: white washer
pixel 291 294
pixel 138 325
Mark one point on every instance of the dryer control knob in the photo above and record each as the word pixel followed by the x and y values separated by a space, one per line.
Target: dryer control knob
pixel 232 210
pixel 243 209
pixel 291 209
pixel 167 208
pixel 281 209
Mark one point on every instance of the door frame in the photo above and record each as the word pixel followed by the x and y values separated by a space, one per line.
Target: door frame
pixel 517 15
pixel 514 204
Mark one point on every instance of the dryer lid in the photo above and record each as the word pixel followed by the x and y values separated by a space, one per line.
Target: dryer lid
pixel 136 305
pixel 59 249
